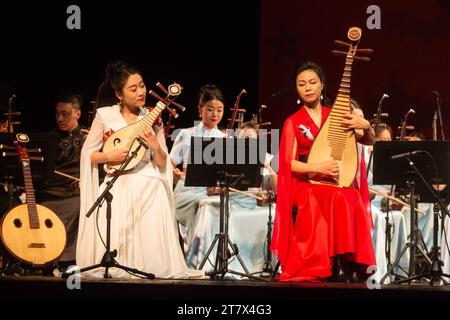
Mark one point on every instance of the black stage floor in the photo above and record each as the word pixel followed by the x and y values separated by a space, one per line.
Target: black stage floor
pixel 216 299
pixel 54 288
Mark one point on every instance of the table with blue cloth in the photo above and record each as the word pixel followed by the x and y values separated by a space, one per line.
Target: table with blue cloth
pixel 399 234
pixel 424 223
pixel 247 228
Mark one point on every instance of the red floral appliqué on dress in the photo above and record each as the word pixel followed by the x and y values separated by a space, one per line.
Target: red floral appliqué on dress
pixel 107 134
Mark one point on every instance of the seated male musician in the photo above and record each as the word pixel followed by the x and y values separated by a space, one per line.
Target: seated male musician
pixel 61 193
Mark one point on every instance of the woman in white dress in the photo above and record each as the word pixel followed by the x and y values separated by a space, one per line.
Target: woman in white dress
pixel 143 224
pixel 211 104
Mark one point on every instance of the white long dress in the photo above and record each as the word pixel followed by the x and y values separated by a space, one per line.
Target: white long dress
pixel 143 224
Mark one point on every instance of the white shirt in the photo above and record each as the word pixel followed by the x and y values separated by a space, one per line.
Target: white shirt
pixel 181 146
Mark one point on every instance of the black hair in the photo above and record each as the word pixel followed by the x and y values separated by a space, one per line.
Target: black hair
pixel 308 65
pixel 210 92
pixel 117 74
pixel 250 125
pixel 75 99
pixel 383 126
pixel 417 134
pixel 355 104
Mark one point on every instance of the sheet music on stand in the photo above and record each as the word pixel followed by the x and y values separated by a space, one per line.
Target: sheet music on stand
pixel 224 162
pixel 388 171
pixel 422 166
pixel 209 156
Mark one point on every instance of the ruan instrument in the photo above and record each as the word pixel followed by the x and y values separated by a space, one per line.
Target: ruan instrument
pixel 334 141
pixel 129 136
pixel 31 232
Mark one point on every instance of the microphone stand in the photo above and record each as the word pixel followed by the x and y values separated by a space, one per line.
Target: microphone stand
pixel 268 263
pixel 438 98
pixel 435 272
pixel 377 124
pixel 388 227
pixel 108 260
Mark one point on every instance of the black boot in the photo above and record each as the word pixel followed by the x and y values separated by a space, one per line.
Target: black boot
pixel 356 274
pixel 340 272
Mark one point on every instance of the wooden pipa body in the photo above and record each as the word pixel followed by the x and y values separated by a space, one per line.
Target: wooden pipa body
pixel 334 141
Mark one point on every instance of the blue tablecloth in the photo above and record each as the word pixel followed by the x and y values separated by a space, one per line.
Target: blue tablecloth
pixel 247 228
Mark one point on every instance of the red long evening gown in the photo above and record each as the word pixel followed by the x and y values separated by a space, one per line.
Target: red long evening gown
pixel 329 221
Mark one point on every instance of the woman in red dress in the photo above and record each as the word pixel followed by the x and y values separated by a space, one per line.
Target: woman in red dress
pixel 330 236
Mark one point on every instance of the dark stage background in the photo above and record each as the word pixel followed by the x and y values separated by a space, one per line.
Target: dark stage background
pixel 191 42
pixel 411 58
pixel 234 44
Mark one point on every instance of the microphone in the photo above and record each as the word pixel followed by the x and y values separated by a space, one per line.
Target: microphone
pixel 434 125
pixel 406 154
pixel 438 99
pixel 382 115
pixel 376 125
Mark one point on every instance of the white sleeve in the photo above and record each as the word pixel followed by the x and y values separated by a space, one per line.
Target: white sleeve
pixel 178 147
pixel 167 172
pixel 89 185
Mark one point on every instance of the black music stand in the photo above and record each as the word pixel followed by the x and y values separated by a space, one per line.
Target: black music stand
pixel 108 260
pixel 267 268
pixel 224 162
pixel 412 162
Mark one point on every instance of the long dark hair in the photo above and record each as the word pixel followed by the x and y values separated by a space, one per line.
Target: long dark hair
pixel 117 74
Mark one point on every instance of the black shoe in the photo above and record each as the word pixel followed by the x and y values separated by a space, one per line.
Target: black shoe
pixel 355 273
pixel 340 272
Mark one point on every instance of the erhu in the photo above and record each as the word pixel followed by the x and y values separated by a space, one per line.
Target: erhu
pixel 404 126
pixel 9 125
pixel 238 114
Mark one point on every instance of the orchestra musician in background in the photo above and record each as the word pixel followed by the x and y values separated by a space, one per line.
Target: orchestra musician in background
pixel 61 193
pixel 249 130
pixel 211 104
